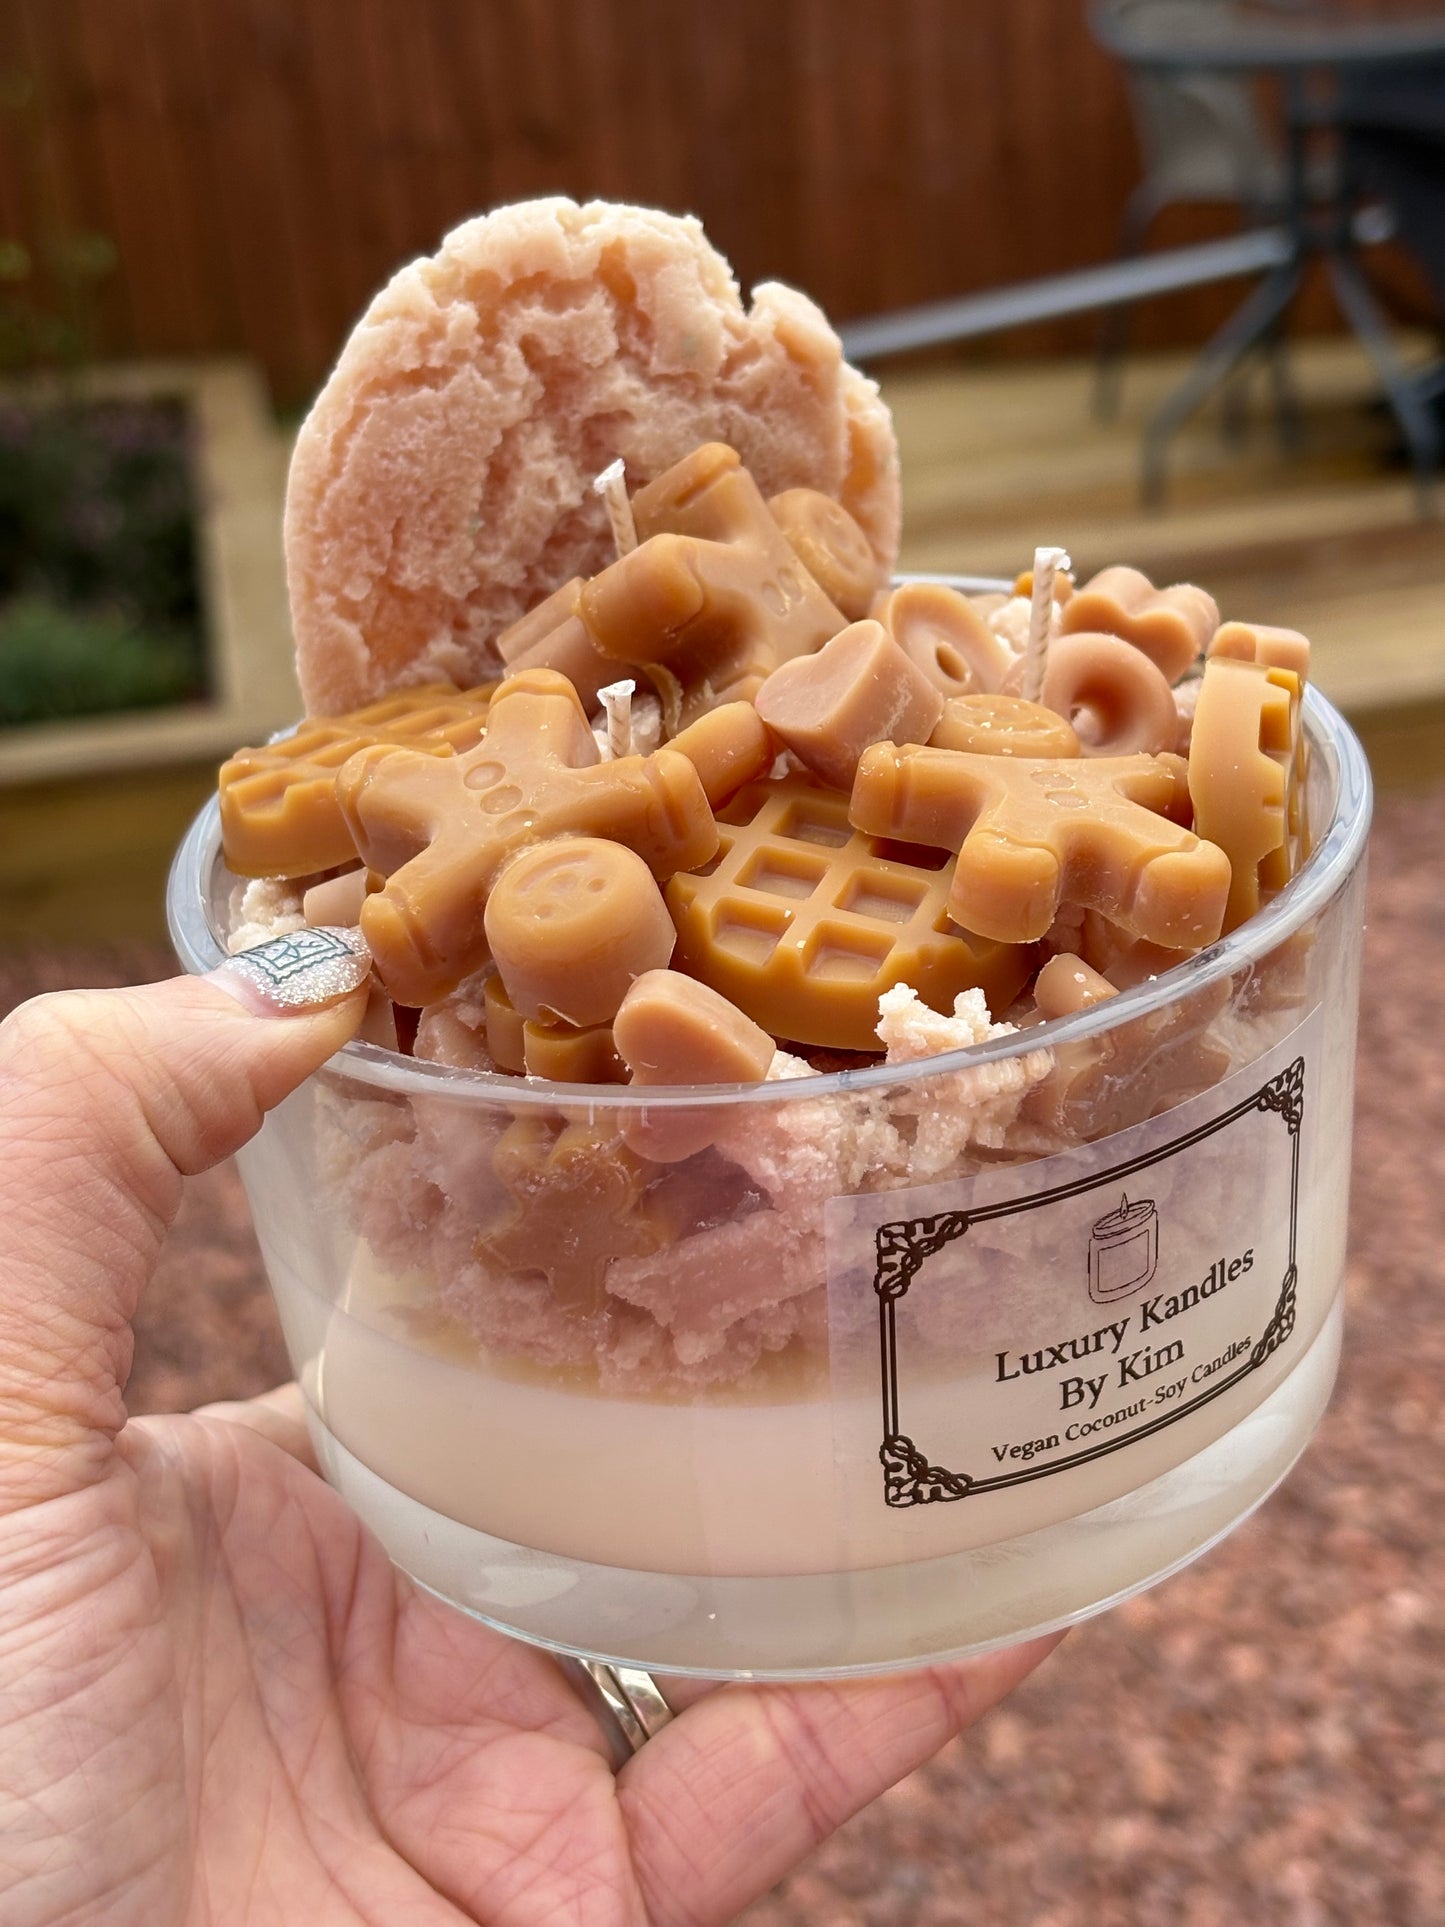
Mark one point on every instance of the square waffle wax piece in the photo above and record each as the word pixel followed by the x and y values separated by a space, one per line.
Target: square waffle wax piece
pixel 279 813
pixel 803 922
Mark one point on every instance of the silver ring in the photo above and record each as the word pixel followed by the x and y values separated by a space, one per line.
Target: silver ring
pixel 632 1708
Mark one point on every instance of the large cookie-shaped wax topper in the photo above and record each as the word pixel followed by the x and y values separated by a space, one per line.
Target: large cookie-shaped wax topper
pixel 441 485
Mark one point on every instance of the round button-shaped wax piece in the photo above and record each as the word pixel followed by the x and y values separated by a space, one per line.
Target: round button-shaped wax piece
pixel 1119 703
pixel 943 633
pixel 571 923
pixel 831 547
pixel 1003 726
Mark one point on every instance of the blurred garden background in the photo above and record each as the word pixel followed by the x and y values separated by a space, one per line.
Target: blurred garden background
pixel 197 199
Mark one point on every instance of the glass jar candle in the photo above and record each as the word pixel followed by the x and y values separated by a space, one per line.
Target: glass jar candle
pixel 907 1362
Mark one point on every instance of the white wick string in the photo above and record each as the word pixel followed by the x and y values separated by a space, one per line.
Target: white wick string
pixel 616 699
pixel 611 485
pixel 1047 562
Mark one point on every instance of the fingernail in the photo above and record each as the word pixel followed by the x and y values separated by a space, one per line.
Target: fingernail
pixel 305 972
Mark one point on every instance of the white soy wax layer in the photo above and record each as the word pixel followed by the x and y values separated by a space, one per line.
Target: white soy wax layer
pixel 865 1619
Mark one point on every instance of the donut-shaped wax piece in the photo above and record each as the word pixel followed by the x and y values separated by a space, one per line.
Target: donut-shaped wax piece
pixel 1003 726
pixel 831 547
pixel 942 632
pixel 571 923
pixel 1117 701
pixel 1172 626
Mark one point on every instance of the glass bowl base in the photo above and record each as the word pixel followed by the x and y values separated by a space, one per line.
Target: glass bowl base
pixel 880 1619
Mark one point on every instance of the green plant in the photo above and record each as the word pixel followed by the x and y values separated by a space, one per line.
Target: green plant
pixel 99 597
pixel 57 662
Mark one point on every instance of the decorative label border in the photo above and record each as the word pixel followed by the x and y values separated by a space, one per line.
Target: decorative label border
pixel 909 1477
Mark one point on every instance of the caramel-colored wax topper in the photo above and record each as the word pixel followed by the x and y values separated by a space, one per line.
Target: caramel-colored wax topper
pixel 576 1193
pixel 1032 835
pixel 441 830
pixel 1126 960
pixel 1003 726
pixel 831 547
pixel 714 593
pixel 570 923
pixel 337 901
pixel 859 688
pixel 279 813
pixel 729 746
pixel 1245 777
pixel 506 1038
pixel 803 922
pixel 1066 985
pixel 1254 642
pixel 1063 585
pixel 554 636
pixel 672 1029
pixel 539 622
pixel 1101 1084
pixel 1172 626
pixel 572 1053
pixel 946 635
pixel 1116 698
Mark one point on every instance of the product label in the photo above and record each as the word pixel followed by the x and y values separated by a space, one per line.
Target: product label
pixel 1104 1313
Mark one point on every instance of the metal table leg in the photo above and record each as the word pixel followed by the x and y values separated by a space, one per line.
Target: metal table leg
pixel 1251 323
pixel 1417 424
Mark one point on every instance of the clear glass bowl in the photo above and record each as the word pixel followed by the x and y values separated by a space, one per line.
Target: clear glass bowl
pixel 910 1362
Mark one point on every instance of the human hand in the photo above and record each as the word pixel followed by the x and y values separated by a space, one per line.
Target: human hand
pixel 219 1702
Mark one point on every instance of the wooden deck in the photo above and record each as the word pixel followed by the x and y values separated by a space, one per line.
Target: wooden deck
pixel 995 460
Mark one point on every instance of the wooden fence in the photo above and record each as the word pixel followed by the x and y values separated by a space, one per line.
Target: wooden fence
pixel 262 165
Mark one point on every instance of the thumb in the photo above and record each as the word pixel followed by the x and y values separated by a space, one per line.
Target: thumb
pixel 107 1099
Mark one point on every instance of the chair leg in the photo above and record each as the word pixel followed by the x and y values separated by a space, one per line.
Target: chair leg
pixel 1250 324
pixel 1288 420
pixel 1234 404
pixel 1417 423
pixel 1113 339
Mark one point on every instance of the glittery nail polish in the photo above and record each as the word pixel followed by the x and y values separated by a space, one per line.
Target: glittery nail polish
pixel 302 973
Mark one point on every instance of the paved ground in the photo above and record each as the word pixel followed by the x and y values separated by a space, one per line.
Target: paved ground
pixel 1260 1743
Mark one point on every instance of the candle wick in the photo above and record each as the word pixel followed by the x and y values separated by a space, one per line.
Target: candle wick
pixel 611 485
pixel 1047 562
pixel 616 699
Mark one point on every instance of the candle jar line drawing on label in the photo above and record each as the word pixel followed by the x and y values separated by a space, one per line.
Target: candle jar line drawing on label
pixel 1123 1250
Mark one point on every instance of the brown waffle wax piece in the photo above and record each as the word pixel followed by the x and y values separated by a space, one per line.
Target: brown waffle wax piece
pixel 946 635
pixel 1172 626
pixel 441 830
pixel 672 1029
pixel 570 923
pixel 1117 699
pixel 803 922
pixel 1245 777
pixel 859 688
pixel 831 547
pixel 714 592
pixel 1254 642
pixel 1031 835
pixel 279 813
pixel 1003 726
